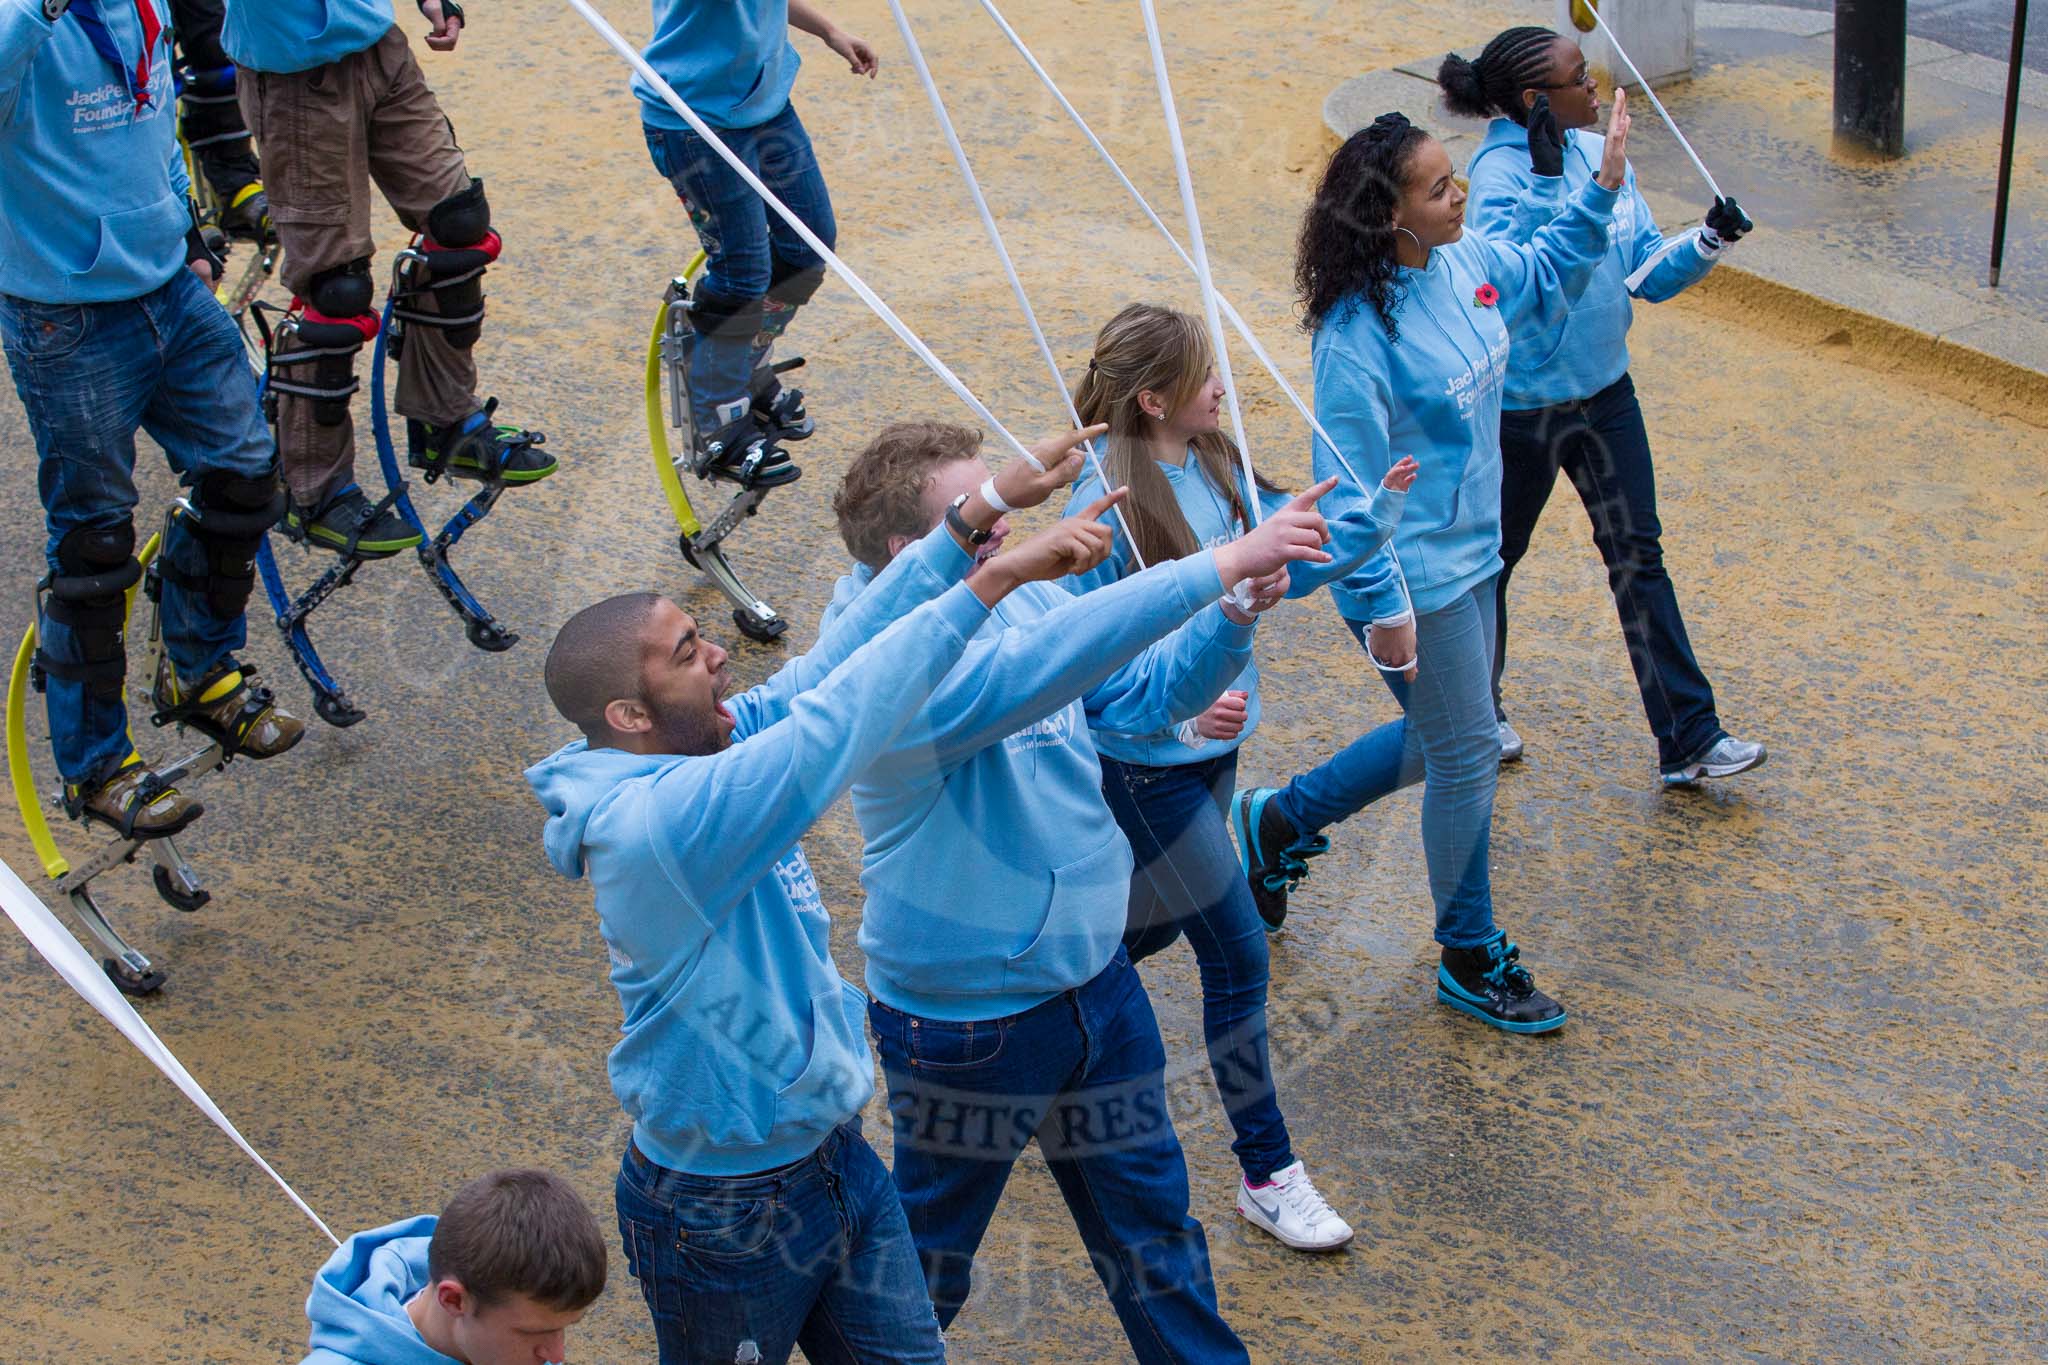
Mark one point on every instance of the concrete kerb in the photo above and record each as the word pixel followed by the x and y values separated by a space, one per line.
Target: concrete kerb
pixel 1943 338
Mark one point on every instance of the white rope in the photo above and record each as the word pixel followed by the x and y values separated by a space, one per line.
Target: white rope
pixel 1217 340
pixel 1236 321
pixel 72 963
pixel 831 258
pixel 1655 103
pixel 995 238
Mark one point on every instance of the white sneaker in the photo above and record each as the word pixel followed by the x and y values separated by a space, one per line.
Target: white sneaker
pixel 1510 743
pixel 1288 1206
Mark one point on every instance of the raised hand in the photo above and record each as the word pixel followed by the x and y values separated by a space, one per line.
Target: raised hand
pixel 1294 534
pixel 1072 546
pixel 1727 221
pixel 1546 139
pixel 1614 160
pixel 1401 477
pixel 1063 457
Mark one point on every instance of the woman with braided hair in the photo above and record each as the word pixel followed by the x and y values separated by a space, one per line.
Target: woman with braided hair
pixel 1411 317
pixel 1569 402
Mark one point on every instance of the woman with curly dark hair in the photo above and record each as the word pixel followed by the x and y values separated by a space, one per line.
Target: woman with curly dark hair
pixel 1411 317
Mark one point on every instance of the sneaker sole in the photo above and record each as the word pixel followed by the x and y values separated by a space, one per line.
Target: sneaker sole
pixel 1683 780
pixel 162 832
pixel 1238 830
pixel 367 549
pixel 1506 1025
pixel 1258 1220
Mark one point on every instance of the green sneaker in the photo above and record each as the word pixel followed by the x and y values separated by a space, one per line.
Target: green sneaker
pixel 350 524
pixel 479 448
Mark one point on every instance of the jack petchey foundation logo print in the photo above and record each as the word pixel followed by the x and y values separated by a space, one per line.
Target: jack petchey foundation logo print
pixel 1054 732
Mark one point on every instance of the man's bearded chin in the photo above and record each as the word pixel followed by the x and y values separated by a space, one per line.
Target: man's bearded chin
pixel 691 731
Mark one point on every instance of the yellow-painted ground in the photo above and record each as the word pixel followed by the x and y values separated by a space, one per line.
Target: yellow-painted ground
pixel 1798 1111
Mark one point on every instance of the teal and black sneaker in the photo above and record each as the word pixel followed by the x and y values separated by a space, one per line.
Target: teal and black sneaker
pixel 1490 983
pixel 1274 857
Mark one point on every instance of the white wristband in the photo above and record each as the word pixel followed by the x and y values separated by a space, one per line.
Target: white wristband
pixel 993 498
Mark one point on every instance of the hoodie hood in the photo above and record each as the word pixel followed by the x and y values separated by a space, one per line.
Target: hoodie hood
pixel 574 783
pixel 357 1306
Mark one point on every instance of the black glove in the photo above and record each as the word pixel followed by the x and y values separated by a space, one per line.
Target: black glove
pixel 204 244
pixel 1727 221
pixel 53 10
pixel 1546 139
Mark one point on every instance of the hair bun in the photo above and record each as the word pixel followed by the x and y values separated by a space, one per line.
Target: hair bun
pixel 1388 126
pixel 1464 87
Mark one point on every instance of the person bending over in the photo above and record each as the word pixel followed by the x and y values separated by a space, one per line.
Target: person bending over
pixel 1411 318
pixel 512 1263
pixel 1568 401
pixel 733 64
pixel 109 324
pixel 1005 1005
pixel 336 102
pixel 750 1207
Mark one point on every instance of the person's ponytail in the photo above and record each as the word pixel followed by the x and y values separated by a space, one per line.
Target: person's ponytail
pixel 1464 91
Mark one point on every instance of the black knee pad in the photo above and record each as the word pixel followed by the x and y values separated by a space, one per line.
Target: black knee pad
pixel 314 354
pixel 462 219
pixel 343 292
pixel 212 113
pixel 230 513
pixel 722 315
pixel 458 246
pixel 793 287
pixel 88 593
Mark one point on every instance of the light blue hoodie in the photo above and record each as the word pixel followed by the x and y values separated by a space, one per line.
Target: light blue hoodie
pixel 1435 395
pixel 995 876
pixel 1207 510
pixel 743 1047
pixel 1561 360
pixel 298 35
pixel 92 189
pixel 730 60
pixel 357 1306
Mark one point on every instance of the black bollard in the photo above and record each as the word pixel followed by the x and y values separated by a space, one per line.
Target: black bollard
pixel 2012 110
pixel 1870 77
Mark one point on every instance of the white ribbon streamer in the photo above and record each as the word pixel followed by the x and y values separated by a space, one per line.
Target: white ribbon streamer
pixel 811 239
pixel 995 238
pixel 1655 103
pixel 1217 340
pixel 83 975
pixel 1237 321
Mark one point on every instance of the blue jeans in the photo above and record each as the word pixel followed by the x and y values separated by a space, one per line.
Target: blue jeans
pixel 1085 1074
pixel 1603 448
pixel 170 362
pixel 749 246
pixel 814 1254
pixel 1446 738
pixel 1187 880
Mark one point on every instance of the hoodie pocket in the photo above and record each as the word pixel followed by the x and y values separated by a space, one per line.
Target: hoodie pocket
pixel 1082 921
pixel 837 1076
pixel 128 239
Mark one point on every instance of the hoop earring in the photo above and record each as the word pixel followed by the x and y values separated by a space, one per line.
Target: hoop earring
pixel 1413 238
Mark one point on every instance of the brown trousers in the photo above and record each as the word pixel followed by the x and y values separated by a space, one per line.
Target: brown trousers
pixel 324 135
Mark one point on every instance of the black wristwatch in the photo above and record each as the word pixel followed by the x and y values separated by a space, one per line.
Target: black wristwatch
pixel 958 524
pixel 449 10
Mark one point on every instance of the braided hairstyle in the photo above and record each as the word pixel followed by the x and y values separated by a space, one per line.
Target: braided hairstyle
pixel 1492 86
pixel 1346 248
